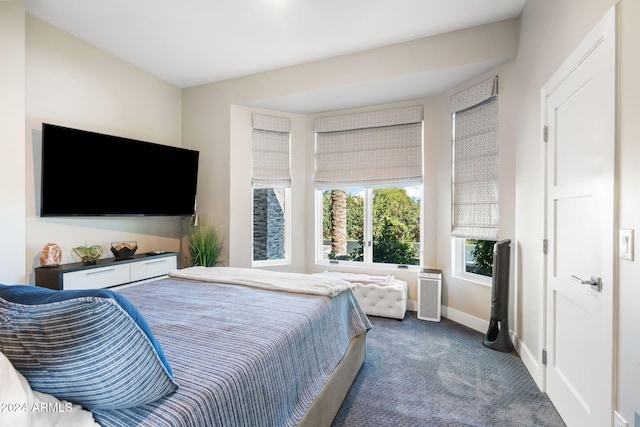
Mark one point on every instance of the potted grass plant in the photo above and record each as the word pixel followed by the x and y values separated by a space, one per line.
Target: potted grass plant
pixel 204 243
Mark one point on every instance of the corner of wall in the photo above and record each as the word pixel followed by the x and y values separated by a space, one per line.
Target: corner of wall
pixel 12 142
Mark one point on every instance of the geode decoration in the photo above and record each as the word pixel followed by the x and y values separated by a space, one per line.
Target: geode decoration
pixel 124 250
pixel 51 255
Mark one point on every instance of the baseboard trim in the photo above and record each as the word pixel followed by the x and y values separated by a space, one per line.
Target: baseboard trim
pixel 531 363
pixel 465 319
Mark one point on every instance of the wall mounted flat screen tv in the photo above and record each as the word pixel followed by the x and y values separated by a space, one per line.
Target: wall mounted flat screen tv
pixel 91 174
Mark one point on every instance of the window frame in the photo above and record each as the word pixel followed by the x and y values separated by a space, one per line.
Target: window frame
pixel 287 234
pixel 367 262
pixel 458 262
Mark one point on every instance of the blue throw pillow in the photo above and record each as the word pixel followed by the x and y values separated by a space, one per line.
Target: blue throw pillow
pixel 91 347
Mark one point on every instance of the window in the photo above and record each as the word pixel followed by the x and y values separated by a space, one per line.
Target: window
pixel 271 178
pixel 270 224
pixel 475 201
pixel 371 225
pixel 368 178
pixel 342 224
pixel 473 259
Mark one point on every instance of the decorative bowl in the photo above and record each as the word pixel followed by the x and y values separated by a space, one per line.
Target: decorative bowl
pixel 89 254
pixel 124 250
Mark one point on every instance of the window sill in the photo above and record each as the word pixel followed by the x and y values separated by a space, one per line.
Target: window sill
pixel 270 263
pixel 385 269
pixel 475 278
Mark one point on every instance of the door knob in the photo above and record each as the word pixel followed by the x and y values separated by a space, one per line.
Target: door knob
pixel 595 282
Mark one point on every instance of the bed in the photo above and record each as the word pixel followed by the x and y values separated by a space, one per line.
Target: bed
pixel 242 352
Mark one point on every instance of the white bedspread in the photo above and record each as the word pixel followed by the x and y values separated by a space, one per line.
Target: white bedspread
pixel 266 279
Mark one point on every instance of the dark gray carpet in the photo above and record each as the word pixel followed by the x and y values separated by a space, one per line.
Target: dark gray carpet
pixel 420 373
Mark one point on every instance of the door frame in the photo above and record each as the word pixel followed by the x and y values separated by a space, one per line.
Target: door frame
pixel 588 44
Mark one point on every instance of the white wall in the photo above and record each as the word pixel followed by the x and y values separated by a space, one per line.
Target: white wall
pixel 12 142
pixel 71 83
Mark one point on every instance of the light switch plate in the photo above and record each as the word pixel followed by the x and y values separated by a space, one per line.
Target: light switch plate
pixel 618 421
pixel 626 244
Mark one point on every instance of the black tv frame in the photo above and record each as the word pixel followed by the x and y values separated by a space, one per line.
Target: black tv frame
pixel 88 174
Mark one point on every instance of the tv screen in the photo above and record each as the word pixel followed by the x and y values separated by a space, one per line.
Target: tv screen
pixel 91 174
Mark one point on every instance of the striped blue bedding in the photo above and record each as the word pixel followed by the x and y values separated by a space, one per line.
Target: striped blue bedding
pixel 241 356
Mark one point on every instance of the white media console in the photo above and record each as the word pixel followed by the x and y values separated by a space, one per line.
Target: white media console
pixel 106 272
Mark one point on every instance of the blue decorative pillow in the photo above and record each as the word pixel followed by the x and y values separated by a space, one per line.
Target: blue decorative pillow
pixel 91 347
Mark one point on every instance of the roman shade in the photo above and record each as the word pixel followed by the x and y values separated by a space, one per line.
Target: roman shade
pixel 271 166
pixel 369 149
pixel 475 162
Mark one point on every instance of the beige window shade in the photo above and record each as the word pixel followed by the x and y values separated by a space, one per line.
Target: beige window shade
pixel 475 199
pixel 369 149
pixel 271 164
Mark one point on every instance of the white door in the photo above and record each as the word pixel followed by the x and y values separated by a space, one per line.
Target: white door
pixel 579 111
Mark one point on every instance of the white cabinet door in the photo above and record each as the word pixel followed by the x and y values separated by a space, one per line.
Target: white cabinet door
pixel 153 267
pixel 96 278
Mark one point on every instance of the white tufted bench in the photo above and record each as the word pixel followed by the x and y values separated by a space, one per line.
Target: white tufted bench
pixel 383 296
